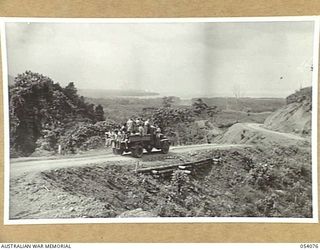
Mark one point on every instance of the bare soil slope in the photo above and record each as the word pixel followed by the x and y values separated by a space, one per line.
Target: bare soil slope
pixel 295 117
pixel 289 125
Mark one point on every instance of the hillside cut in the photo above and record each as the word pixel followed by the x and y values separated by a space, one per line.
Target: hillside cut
pixel 295 116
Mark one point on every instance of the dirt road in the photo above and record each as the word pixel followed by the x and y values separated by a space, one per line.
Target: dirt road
pixel 255 133
pixel 23 166
pixel 260 127
pixel 36 164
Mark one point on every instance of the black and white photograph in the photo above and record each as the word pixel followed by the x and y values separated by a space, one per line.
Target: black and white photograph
pixel 160 120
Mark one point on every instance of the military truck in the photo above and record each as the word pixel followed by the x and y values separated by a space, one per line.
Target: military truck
pixel 136 143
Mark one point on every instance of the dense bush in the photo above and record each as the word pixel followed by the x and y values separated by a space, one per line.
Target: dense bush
pixel 41 111
pixel 168 117
pixel 85 136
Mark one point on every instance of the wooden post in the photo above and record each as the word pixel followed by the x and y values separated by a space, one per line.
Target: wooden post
pixel 137 165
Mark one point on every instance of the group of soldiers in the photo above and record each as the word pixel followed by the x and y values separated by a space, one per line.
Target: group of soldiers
pixel 133 126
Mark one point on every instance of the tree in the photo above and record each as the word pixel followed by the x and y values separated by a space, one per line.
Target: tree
pixel 212 111
pixel 237 94
pixel 167 101
pixel 99 113
pixel 199 106
pixel 70 91
pixel 166 118
pixel 41 111
pixel 28 110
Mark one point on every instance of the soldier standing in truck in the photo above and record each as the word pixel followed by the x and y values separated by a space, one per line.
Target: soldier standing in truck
pixel 130 125
pixel 147 126
pixel 108 139
pixel 141 129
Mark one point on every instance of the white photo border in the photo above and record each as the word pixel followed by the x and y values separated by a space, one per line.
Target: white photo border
pixel 314 219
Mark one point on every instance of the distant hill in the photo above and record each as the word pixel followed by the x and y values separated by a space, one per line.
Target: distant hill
pixel 102 93
pixel 245 103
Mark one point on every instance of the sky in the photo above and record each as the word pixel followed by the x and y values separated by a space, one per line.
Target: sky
pixel 250 59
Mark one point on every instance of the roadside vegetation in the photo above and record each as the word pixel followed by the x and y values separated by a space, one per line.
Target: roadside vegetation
pixel 44 115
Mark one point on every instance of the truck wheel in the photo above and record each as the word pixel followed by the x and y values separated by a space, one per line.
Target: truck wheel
pixel 149 149
pixel 119 151
pixel 137 151
pixel 165 147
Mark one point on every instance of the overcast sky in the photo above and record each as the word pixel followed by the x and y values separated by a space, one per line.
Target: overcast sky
pixel 262 59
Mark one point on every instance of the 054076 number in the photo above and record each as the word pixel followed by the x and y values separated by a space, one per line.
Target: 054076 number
pixel 309 245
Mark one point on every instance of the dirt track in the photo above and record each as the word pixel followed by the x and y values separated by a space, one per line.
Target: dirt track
pixel 28 165
pixel 20 167
pixel 260 127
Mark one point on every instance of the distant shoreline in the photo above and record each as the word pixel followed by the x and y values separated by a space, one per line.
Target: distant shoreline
pixel 183 98
pixel 101 93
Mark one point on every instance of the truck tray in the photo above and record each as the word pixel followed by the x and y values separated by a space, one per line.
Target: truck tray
pixel 138 138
